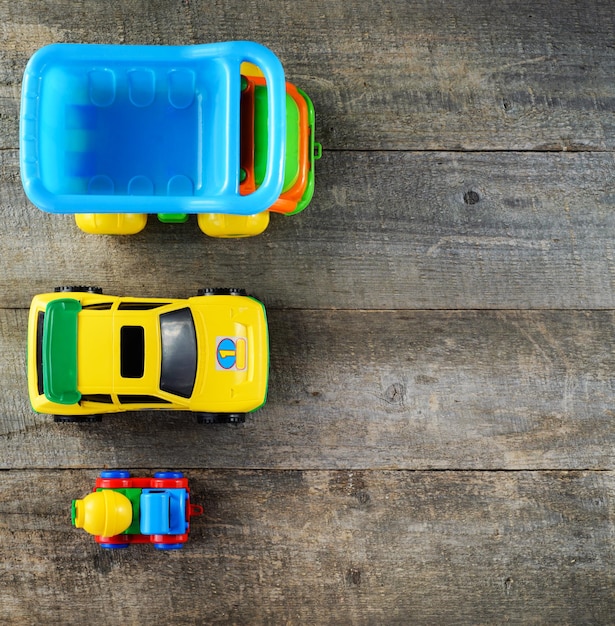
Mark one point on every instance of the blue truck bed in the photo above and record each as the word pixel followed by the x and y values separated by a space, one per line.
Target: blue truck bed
pixel 145 129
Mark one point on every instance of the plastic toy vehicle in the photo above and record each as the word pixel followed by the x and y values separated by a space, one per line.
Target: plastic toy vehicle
pixel 90 354
pixel 114 132
pixel 123 510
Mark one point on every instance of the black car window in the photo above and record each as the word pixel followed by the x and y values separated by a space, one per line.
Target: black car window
pixel 139 306
pixel 103 398
pixel 99 306
pixel 140 399
pixel 132 351
pixel 179 352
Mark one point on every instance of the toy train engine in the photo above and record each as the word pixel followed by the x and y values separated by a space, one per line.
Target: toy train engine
pixel 123 510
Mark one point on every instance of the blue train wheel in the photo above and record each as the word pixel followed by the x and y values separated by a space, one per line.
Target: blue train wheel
pixel 172 475
pixel 168 546
pixel 115 474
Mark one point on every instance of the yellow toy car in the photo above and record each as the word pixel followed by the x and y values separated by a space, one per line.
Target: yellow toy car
pixel 90 354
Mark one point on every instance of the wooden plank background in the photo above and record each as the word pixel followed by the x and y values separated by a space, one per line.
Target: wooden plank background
pixel 438 443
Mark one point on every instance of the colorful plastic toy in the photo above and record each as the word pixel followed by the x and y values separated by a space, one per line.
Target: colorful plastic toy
pixel 122 510
pixel 90 354
pixel 113 132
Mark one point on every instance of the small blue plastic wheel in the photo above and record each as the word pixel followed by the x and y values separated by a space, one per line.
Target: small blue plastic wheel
pixel 168 546
pixel 174 475
pixel 113 546
pixel 115 474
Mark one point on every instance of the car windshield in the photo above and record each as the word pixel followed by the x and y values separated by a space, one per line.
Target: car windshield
pixel 179 360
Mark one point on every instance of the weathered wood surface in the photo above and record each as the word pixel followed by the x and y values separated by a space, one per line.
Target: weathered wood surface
pixel 385 231
pixel 323 547
pixel 377 389
pixel 435 450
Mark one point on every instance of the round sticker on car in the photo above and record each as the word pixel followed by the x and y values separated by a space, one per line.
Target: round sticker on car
pixel 231 353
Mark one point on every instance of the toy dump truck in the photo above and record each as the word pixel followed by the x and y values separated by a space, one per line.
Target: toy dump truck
pixel 112 133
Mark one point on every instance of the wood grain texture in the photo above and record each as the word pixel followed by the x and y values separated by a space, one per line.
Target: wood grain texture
pixel 385 231
pixel 437 447
pixel 385 74
pixel 350 389
pixel 324 548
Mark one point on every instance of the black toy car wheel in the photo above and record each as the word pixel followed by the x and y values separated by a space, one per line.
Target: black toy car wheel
pixel 221 291
pixel 78 289
pixel 221 418
pixel 77 419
